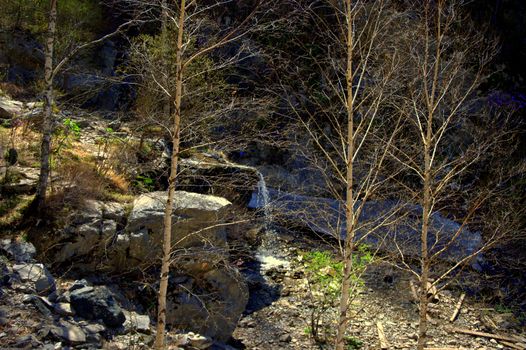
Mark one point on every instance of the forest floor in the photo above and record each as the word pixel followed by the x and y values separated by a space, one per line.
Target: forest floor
pixel 285 301
pixel 385 298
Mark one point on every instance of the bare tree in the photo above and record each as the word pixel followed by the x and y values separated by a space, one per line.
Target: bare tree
pixel 52 69
pixel 48 108
pixel 445 143
pixel 183 46
pixel 348 121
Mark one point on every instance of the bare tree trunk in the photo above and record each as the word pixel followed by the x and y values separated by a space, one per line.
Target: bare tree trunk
pixel 47 122
pixel 164 34
pixel 167 230
pixel 424 276
pixel 349 200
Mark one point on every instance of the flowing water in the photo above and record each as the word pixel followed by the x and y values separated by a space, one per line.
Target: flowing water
pixel 268 253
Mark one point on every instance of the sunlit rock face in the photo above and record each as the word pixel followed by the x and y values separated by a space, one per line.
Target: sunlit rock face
pixel 195 220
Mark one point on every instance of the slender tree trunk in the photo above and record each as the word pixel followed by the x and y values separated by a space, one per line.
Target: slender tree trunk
pixel 349 207
pixel 424 276
pixel 164 40
pixel 167 229
pixel 47 122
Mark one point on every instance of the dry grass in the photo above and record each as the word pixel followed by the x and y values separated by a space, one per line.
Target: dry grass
pixel 12 211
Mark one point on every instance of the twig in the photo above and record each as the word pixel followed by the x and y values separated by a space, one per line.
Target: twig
pixel 384 344
pixel 513 346
pixel 457 308
pixel 413 290
pixel 482 334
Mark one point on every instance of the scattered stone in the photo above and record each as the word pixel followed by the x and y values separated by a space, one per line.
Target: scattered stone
pixel 94 328
pixel 285 338
pixel 69 332
pixel 136 322
pixel 198 341
pixel 20 252
pixel 94 303
pixel 37 274
pixel 27 342
pixel 63 309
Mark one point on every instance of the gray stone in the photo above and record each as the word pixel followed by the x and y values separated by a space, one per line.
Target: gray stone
pixel 10 108
pixel 327 216
pixel 94 328
pixel 215 313
pixel 26 180
pixel 285 338
pixel 63 309
pixel 21 252
pixel 136 322
pixel 69 332
pixel 94 303
pixel 193 216
pixel 38 275
pixel 198 341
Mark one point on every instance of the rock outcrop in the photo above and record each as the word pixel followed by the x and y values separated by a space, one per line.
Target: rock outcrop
pixel 213 175
pixel 209 298
pixel 206 294
pixel 84 241
pixel 391 226
pixel 196 222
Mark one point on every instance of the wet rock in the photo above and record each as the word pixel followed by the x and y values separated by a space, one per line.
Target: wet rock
pixel 94 303
pixel 37 275
pixel 324 215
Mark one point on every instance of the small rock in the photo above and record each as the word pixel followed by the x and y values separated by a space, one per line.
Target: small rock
pixel 37 274
pixel 78 284
pixel 136 322
pixel 63 309
pixel 285 338
pixel 27 341
pixel 38 303
pixel 198 341
pixel 69 332
pixel 94 328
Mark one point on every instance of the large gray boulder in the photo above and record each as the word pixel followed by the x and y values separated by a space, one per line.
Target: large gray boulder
pixel 209 300
pixel 195 223
pixel 19 251
pixel 10 108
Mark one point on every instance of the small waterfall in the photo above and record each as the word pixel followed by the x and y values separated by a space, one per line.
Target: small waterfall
pixel 263 200
pixel 267 253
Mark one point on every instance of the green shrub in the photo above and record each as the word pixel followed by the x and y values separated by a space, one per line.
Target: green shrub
pixel 325 275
